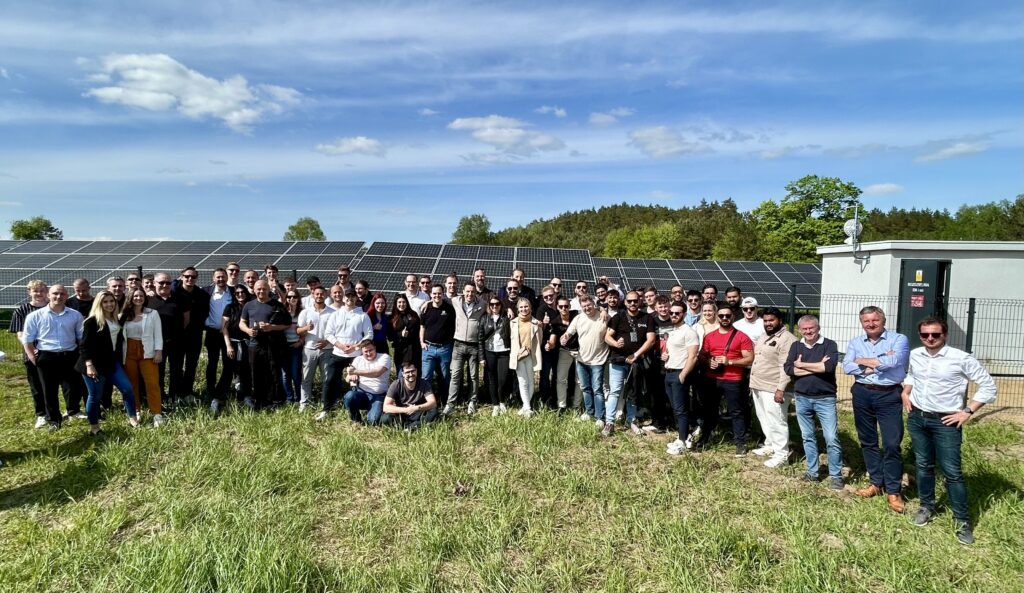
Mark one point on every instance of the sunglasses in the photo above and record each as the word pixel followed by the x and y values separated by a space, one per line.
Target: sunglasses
pixel 694 300
pixel 556 284
pixel 292 296
pixel 749 308
pixel 233 271
pixel 631 301
pixel 725 316
pixel 932 335
pixel 563 306
pixel 494 304
pixel 241 293
pixel 189 276
pixel 424 281
pixel 675 313
pixel 133 280
pixel 162 283
pixel 548 296
pixel 581 287
pixel 512 288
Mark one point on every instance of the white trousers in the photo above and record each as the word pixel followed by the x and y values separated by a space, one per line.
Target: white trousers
pixel 774 419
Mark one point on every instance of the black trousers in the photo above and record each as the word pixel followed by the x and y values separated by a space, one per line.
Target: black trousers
pixel 36 388
pixel 334 378
pixel 187 362
pixel 54 369
pixel 496 373
pixel 265 369
pixel 217 351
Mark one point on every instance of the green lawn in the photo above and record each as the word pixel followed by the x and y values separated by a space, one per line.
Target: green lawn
pixel 275 502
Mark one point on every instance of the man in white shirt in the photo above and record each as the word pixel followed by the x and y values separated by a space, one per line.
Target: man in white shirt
pixel 933 394
pixel 416 297
pixel 593 354
pixel 315 351
pixel 750 324
pixel 368 375
pixel 346 328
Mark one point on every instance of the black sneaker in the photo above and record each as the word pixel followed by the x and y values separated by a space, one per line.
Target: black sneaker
pixel 835 483
pixel 922 516
pixel 809 478
pixel 741 450
pixel 964 533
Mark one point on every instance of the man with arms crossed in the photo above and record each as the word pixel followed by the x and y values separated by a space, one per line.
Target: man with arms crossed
pixel 812 363
pixel 878 363
pixel 769 387
pixel 933 399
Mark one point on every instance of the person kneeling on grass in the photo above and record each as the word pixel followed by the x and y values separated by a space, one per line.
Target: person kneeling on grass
pixel 410 401
pixel 368 376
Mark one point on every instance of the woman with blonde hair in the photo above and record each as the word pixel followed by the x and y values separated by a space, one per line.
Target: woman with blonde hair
pixel 100 359
pixel 144 345
pixel 526 335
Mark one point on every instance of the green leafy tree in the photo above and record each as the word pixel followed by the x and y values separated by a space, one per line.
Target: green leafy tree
pixel 305 229
pixel 660 241
pixel 36 228
pixel 474 229
pixel 738 241
pixel 811 214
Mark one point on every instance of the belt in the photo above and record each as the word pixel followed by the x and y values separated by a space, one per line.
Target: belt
pixel 59 352
pixel 882 388
pixel 435 344
pixel 464 342
pixel 933 415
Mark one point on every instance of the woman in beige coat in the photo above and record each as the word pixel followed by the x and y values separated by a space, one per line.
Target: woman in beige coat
pixel 526 336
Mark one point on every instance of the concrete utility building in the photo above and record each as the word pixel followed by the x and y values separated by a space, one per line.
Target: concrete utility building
pixel 913 279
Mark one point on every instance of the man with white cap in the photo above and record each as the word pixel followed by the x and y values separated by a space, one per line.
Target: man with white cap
pixel 750 324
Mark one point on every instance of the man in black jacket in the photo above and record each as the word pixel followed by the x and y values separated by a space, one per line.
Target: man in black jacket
pixel 196 302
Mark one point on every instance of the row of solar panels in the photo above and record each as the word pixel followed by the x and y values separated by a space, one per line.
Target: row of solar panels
pixel 385 264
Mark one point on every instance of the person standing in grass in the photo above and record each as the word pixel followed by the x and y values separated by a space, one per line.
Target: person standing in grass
pixel 50 338
pixel 591 327
pixel 469 310
pixel 316 350
pixel 493 338
pixel 144 343
pixel 99 359
pixel 680 358
pixel 36 300
pixel 933 399
pixel 526 335
pixel 812 364
pixel 264 320
pixel 769 386
pixel 877 361
pixel 727 352
pixel 410 401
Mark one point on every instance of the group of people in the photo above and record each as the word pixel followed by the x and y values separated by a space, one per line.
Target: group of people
pixel 655 361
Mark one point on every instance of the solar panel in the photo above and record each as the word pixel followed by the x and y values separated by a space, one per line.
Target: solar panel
pixel 9 261
pixel 339 247
pixel 714 278
pixel 574 271
pixel 533 254
pixel 101 247
pixel 537 270
pixel 296 262
pixel 12 297
pixel 663 285
pixel 386 248
pixel 376 263
pixel 459 266
pixel 681 264
pixel 419 265
pixel 133 247
pixel 460 251
pixel 805 267
pixel 31 247
pixel 703 265
pixel 5 245
pixel 272 247
pixel 308 248
pixel 571 256
pixel 9 277
pixel 422 250
pixel 495 269
pixel 200 247
pixel 104 261
pixel 657 264
pixel 36 261
pixel 497 253
pixel 238 246
pixel 738 277
pixel 331 262
pixel 633 263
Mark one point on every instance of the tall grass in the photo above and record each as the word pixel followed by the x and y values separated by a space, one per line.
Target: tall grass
pixel 274 501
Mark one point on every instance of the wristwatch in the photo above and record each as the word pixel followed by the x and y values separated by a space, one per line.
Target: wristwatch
pixel 967 410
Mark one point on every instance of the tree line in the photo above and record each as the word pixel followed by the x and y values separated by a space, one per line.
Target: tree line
pixel 812 213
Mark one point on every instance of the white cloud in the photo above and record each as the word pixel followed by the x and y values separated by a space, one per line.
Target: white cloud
pixel 882 189
pixel 428 112
pixel 157 82
pixel 662 195
pixel 506 135
pixel 4 74
pixel 10 204
pixel 953 150
pixel 353 145
pixel 661 142
pixel 552 109
pixel 607 118
pixel 769 154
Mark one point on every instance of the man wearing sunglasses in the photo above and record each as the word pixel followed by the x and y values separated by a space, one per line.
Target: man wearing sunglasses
pixel 878 362
pixel 727 352
pixel 750 323
pixel 196 302
pixel 631 336
pixel 933 399
pixel 344 280
pixel 172 323
pixel 469 311
pixel 694 300
pixel 220 296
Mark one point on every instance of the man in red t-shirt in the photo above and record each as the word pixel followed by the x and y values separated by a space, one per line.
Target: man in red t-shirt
pixel 726 352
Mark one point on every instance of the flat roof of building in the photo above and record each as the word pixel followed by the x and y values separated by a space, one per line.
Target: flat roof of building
pixel 990 246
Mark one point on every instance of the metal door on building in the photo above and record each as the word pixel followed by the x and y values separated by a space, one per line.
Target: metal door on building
pixel 924 291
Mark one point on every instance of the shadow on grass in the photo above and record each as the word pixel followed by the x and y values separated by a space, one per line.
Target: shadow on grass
pixel 81 476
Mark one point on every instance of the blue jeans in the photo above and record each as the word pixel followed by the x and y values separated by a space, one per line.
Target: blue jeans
pixel 825 410
pixel 292 367
pixel 439 358
pixel 118 379
pixel 357 400
pixel 933 440
pixel 591 380
pixel 678 394
pixel 877 412
pixel 617 373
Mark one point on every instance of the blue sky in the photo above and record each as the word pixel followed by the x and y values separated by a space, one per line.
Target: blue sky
pixel 392 120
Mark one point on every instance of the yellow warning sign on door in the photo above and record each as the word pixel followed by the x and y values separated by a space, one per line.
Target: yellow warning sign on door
pixel 919 276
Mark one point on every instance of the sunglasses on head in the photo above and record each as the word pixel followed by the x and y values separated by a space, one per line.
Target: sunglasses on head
pixel 932 335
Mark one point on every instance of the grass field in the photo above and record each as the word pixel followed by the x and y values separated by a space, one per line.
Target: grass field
pixel 275 502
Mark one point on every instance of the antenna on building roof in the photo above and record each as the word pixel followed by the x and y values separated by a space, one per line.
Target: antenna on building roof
pixel 853 229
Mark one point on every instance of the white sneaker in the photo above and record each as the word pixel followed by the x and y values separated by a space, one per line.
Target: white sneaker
pixel 502 408
pixel 303 406
pixel 495 411
pixel 649 428
pixel 636 428
pixel 696 434
pixel 214 407
pixel 471 409
pixel 619 415
pixel 448 410
pixel 82 416
pixel 158 420
pixel 688 444
pixel 525 412
pixel 676 447
pixel 762 451
pixel 40 421
pixel 584 417
pixel 321 416
pixel 599 423
pixel 775 461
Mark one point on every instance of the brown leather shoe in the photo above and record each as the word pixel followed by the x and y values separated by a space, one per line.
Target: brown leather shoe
pixel 868 491
pixel 896 502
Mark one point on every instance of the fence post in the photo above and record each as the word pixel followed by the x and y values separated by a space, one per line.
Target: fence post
pixel 792 305
pixel 969 345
